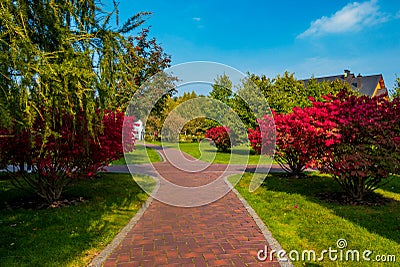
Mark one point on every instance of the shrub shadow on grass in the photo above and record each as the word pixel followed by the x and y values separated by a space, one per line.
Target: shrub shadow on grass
pixel 234 151
pixel 383 220
pixel 69 235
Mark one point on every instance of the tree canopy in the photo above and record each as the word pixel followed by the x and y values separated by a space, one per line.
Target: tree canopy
pixel 63 68
pixel 65 56
pixel 284 92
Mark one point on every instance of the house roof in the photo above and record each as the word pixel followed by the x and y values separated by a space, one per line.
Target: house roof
pixel 364 84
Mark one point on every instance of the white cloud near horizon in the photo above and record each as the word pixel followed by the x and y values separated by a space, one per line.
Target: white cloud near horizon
pixel 352 17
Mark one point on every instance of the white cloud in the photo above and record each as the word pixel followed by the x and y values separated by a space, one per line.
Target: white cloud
pixel 352 17
pixel 196 19
pixel 397 16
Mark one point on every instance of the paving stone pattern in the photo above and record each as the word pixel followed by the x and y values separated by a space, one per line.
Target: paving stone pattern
pixel 221 233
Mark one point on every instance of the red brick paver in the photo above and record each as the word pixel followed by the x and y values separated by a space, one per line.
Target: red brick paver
pixel 221 233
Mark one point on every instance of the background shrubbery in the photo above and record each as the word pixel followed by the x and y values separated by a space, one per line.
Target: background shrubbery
pixel 220 135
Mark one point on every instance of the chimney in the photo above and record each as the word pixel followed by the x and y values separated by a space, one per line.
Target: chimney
pixel 359 81
pixel 346 73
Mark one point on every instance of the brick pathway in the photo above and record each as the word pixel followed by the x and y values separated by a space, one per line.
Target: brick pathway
pixel 218 234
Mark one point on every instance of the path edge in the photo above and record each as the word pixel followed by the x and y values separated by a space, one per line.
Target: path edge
pixel 273 243
pixel 154 146
pixel 106 252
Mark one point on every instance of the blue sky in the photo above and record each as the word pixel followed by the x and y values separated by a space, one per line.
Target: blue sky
pixel 318 37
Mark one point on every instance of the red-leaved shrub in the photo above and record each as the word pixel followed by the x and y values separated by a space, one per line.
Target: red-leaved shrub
pixel 356 139
pixel 69 153
pixel 300 139
pixel 369 149
pixel 263 142
pixel 220 136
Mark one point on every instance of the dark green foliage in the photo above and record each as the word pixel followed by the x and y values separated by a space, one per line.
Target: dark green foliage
pixel 222 89
pixel 60 57
pixel 285 92
pixel 396 89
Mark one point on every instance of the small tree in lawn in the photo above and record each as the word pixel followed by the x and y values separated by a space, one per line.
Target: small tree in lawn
pixel 370 142
pixel 220 136
pixel 300 139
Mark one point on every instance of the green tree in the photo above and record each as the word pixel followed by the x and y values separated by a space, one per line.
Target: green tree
pixel 195 127
pixel 317 89
pixel 285 92
pixel 222 89
pixel 151 101
pixel 249 102
pixel 396 89
pixel 282 93
pixel 59 58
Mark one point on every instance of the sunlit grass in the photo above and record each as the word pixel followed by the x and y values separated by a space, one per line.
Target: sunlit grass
pixel 141 155
pixel 299 220
pixel 205 152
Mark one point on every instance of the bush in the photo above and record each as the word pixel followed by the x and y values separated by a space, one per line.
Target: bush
pixel 263 142
pixel 300 139
pixel 356 139
pixel 369 149
pixel 220 136
pixel 70 153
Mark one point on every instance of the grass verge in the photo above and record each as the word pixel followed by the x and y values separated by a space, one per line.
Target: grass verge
pixel 205 152
pixel 141 155
pixel 301 221
pixel 67 236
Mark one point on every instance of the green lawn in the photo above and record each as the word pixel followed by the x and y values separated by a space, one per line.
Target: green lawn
pixel 299 220
pixel 67 236
pixel 205 152
pixel 141 155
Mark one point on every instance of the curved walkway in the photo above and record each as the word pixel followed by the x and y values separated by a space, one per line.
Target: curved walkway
pixel 221 233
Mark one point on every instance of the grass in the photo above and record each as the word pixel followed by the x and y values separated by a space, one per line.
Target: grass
pixel 205 152
pixel 299 220
pixel 67 236
pixel 141 155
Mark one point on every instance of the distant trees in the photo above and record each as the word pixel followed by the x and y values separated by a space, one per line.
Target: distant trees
pixel 222 89
pixel 156 120
pixel 284 92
